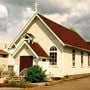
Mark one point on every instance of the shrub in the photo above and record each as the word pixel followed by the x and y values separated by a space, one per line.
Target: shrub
pixel 14 81
pixel 35 74
pixel 11 73
pixel 67 76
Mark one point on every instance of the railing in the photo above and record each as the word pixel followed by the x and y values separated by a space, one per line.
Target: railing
pixel 23 72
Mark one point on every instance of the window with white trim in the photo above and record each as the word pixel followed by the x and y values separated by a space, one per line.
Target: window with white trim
pixel 81 58
pixel 88 59
pixel 28 38
pixel 73 57
pixel 53 55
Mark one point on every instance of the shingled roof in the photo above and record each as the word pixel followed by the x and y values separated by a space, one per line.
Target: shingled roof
pixel 38 49
pixel 2 52
pixel 67 36
pixel 30 35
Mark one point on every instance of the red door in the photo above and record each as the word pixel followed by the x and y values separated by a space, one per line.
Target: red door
pixel 25 62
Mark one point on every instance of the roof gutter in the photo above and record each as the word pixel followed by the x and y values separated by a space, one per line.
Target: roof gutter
pixel 77 47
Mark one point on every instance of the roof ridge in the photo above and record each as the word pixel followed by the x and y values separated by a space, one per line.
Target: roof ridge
pixel 56 23
pixel 70 29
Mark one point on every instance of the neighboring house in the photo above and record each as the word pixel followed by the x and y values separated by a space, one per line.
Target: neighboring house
pixel 57 49
pixel 3 60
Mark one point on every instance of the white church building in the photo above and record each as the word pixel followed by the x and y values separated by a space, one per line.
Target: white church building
pixel 57 49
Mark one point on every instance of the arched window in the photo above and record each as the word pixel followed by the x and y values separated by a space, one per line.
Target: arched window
pixel 53 55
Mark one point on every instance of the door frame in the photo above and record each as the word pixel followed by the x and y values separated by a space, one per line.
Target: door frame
pixel 20 62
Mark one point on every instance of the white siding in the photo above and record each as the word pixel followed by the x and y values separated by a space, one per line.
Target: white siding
pixel 4 63
pixel 46 40
pixel 68 69
pixel 24 51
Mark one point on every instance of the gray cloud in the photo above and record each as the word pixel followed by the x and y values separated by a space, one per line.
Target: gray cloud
pixel 79 21
pixel 44 6
pixel 3 24
pixel 3 19
pixel 49 8
pixel 16 7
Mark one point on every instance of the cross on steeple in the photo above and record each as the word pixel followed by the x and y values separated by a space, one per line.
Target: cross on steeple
pixel 36 6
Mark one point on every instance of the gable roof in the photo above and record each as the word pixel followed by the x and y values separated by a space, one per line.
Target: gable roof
pixel 38 49
pixel 2 52
pixel 64 35
pixel 34 47
pixel 68 37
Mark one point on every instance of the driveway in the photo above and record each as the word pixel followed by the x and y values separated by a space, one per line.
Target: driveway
pixel 11 88
pixel 80 84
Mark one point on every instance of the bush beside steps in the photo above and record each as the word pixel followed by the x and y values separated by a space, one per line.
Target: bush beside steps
pixel 35 74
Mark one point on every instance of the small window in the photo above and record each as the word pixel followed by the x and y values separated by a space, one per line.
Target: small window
pixel 73 57
pixel 4 56
pixel 88 59
pixel 81 58
pixel 26 37
pixel 44 60
pixel 10 68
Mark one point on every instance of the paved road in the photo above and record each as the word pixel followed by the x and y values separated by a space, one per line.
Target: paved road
pixel 11 89
pixel 80 84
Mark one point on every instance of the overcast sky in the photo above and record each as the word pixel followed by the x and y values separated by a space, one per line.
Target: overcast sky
pixel 14 14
